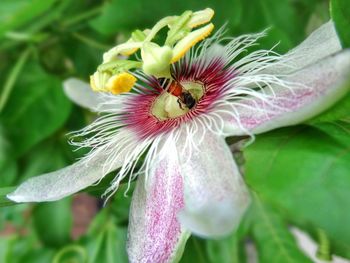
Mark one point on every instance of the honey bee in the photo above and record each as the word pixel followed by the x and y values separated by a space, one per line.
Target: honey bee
pixel 184 96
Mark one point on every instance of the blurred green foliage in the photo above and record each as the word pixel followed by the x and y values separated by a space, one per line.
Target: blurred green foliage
pixel 299 175
pixel 340 10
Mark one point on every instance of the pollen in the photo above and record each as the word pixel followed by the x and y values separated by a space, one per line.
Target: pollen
pixel 120 83
pixel 190 40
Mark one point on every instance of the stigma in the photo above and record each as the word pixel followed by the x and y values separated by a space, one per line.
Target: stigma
pixel 177 99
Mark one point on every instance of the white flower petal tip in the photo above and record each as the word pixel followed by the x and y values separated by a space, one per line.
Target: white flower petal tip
pixel 56 185
pixel 81 93
pixel 216 196
pixel 61 183
pixel 14 197
pixel 300 96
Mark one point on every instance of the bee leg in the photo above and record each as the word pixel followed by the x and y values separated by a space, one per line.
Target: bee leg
pixel 179 102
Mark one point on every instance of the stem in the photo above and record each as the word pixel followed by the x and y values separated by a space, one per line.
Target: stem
pixel 324 250
pixel 11 80
pixel 25 37
pixel 82 16
pixel 78 250
pixel 90 42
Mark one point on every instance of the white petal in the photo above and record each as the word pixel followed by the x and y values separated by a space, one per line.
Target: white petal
pixel 215 195
pixel 82 94
pixel 321 43
pixel 61 183
pixel 155 235
pixel 311 91
pixel 71 179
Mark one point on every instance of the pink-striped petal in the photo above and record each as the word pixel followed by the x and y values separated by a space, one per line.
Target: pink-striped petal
pixel 310 91
pixel 215 195
pixel 155 234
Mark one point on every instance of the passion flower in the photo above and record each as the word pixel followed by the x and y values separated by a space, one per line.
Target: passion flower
pixel 176 105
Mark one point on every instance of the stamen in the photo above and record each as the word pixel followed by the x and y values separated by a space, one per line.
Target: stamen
pixel 120 83
pixel 136 36
pixel 201 17
pixel 190 40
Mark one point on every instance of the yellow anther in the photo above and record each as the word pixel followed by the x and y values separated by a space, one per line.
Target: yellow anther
pixel 201 17
pixel 120 83
pixel 190 40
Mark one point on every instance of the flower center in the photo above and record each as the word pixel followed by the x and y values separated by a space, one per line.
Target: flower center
pixel 177 100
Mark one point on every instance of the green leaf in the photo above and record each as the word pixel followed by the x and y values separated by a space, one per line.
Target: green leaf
pixel 37 108
pixel 121 15
pixel 280 17
pixel 42 255
pixel 12 77
pixel 84 58
pixel 340 111
pixel 8 165
pixel 194 251
pixel 340 12
pixel 53 222
pixel 8 168
pixel 271 235
pixel 120 205
pixel 106 242
pixel 16 13
pixel 3 192
pixel 305 171
pixel 4 247
pixel 225 250
pixel 16 249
